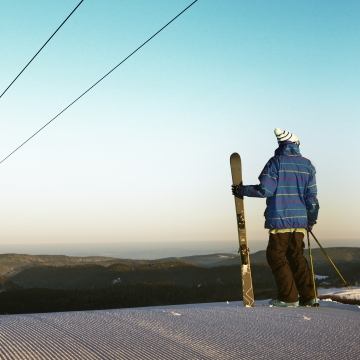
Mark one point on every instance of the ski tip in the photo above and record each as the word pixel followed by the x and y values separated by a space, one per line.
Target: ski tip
pixel 234 156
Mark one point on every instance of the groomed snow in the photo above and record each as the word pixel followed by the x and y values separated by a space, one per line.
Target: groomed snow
pixel 204 331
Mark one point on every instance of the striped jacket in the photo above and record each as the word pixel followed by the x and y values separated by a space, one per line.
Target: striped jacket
pixel 289 184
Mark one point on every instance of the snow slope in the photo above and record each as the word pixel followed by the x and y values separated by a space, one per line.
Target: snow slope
pixel 203 331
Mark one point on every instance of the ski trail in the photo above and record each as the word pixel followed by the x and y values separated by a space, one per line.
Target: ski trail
pixel 200 331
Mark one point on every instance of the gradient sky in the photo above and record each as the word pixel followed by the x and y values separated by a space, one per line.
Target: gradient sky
pixel 145 155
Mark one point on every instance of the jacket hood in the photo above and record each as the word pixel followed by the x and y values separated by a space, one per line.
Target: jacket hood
pixel 288 148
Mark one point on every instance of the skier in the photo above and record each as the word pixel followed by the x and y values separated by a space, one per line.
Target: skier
pixel 289 185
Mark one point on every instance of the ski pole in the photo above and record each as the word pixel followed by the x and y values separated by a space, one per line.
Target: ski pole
pixel 312 269
pixel 327 256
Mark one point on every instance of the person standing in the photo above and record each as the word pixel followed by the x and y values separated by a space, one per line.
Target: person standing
pixel 289 185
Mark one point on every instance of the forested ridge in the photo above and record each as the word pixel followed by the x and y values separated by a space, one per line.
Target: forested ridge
pixel 114 283
pixel 120 286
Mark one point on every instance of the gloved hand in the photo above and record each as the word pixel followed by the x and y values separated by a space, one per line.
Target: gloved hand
pixel 311 223
pixel 237 190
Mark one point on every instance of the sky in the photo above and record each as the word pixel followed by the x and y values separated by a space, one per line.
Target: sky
pixel 144 156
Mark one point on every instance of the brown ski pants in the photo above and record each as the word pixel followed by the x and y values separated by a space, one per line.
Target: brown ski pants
pixel 290 268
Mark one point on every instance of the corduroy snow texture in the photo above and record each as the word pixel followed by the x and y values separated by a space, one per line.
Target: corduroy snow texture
pixel 283 135
pixel 289 184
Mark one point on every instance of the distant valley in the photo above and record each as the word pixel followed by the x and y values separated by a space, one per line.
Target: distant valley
pixel 200 278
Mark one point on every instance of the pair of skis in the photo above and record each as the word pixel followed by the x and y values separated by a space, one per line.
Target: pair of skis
pixel 247 289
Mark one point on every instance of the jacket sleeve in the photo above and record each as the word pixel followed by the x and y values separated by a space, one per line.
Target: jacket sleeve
pixel 311 201
pixel 268 182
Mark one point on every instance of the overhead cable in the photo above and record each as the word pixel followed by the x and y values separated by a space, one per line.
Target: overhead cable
pixel 41 48
pixel 99 80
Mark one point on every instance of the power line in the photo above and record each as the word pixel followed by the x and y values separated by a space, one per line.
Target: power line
pixel 41 48
pixel 99 80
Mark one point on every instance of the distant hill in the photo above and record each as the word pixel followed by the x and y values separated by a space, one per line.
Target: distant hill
pixel 62 283
pixel 66 272
pixel 210 260
pixel 336 254
pixel 179 273
pixel 11 264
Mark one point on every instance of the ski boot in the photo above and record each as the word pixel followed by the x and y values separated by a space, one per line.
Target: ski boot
pixel 277 302
pixel 312 302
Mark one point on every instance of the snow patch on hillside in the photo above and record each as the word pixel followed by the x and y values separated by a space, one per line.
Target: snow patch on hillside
pixel 320 277
pixel 343 293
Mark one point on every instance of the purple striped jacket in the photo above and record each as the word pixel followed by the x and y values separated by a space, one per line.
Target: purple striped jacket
pixel 288 183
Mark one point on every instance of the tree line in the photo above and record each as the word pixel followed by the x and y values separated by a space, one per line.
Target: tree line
pixel 35 300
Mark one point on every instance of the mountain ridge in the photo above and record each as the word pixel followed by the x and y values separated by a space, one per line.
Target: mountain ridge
pixel 12 264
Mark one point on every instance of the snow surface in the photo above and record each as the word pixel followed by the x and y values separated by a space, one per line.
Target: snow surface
pixel 320 277
pixel 343 293
pixel 201 331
